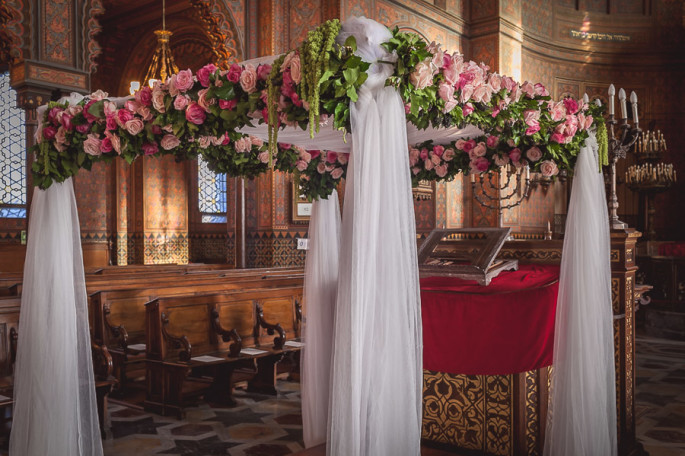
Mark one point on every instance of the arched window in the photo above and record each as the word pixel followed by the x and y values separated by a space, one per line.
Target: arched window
pixel 12 153
pixel 211 194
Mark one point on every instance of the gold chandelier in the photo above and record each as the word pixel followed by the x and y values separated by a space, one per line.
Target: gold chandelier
pixel 162 65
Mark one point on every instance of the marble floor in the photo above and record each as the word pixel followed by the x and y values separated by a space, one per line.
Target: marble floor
pixel 272 426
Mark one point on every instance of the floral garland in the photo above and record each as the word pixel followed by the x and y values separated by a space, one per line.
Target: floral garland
pixel 191 114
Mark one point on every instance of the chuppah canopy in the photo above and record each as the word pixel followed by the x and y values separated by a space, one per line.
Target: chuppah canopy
pixel 368 91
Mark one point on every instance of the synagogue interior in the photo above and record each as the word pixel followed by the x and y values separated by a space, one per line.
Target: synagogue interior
pixel 342 227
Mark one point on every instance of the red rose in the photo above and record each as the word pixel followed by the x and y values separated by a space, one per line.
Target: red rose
pixel 49 132
pixel 144 96
pixel 234 72
pixel 204 73
pixel 150 148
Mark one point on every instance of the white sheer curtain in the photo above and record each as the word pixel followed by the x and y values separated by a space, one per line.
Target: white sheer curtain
pixel 582 413
pixel 377 353
pixel 55 409
pixel 320 285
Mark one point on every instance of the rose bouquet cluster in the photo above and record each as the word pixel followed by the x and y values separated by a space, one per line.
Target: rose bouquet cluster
pixel 318 172
pixel 313 85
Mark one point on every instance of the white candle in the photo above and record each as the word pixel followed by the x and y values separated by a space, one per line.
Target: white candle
pixel 586 99
pixel 633 101
pixel 622 99
pixel 612 92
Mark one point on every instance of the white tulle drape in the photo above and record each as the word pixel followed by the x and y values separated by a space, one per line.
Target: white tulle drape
pixel 55 409
pixel 582 413
pixel 320 285
pixel 377 355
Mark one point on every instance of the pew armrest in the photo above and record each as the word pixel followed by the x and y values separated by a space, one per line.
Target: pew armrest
pixel 226 336
pixel 271 329
pixel 102 361
pixel 117 331
pixel 176 341
pixel 298 318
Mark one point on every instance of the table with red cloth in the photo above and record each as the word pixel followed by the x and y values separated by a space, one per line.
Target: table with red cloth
pixel 504 328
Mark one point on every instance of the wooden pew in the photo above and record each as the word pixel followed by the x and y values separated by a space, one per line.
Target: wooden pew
pixel 219 326
pixel 118 316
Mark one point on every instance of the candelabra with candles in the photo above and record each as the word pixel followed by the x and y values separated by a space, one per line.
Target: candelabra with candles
pixel 621 138
pixel 490 183
pixel 651 176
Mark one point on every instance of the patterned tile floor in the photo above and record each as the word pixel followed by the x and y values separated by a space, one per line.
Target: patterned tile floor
pixel 660 396
pixel 271 426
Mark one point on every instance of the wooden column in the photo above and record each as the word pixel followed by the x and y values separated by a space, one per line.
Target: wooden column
pixel 623 270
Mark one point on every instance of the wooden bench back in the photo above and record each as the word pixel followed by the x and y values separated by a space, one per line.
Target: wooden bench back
pixel 9 327
pixel 127 307
pixel 189 317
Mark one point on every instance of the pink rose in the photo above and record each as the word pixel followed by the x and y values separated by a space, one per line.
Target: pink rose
pixel 468 109
pixel 558 137
pixel 110 124
pixel 532 129
pixel 144 96
pixel 228 104
pixel 169 142
pixel 492 141
pixel 321 168
pixel 314 153
pixel 478 151
pixel 460 144
pixel 438 150
pixel 495 82
pixel 49 132
pixel 588 122
pixel 343 158
pixel 451 73
pixel 469 145
pixel 508 83
pixel 158 99
pixel 479 164
pixel 515 155
pixel 415 170
pixel 435 159
pixel 337 173
pixel 423 154
pixel 85 128
pixel 331 157
pixel 531 116
pixel 52 115
pixel 295 70
pixel 413 156
pixel 105 146
pixel 541 90
pixel 150 148
pixel 134 126
pixel 74 110
pixel 66 121
pixel 449 154
pixel 195 114
pixel 466 93
pixel 548 168
pixel 446 91
pixel 256 141
pixel 301 165
pixel 123 116
pixel 571 105
pixel 234 72
pixel 204 73
pixel 534 154
pixel 422 76
pixel 91 146
pixel 145 113
pixel 248 79
pixel 428 165
pixel 482 94
pixel 203 101
pixel 441 170
pixel 204 142
pixel 131 105
pixel 263 72
pixel 180 102
pixel 184 80
pixel 558 111
pixel 115 141
pixel 501 160
pixel 86 112
pixel 528 89
pixel 449 106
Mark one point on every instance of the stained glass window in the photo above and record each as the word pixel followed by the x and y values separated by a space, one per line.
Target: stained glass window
pixel 12 153
pixel 211 194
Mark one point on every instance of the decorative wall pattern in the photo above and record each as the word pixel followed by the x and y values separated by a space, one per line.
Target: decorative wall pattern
pixel 57 31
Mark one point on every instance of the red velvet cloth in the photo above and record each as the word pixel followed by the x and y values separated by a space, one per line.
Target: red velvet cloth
pixel 504 328
pixel 672 249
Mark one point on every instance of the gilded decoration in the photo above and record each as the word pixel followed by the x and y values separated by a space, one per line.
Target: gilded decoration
pixel 615 295
pixel 615 256
pixel 617 373
pixel 543 255
pixel 469 411
pixel 532 420
pixel 220 30
pixel 629 352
